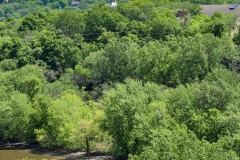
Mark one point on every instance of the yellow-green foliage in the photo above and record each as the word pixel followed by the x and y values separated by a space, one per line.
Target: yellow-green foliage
pixel 70 123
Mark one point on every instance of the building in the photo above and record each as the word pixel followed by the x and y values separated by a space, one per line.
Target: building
pixel 74 3
pixel 113 3
pixel 225 8
pixel 181 14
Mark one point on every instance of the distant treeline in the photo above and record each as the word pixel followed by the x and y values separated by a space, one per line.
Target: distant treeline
pixel 20 8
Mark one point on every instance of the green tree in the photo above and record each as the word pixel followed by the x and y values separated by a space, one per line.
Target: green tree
pixel 179 143
pixel 140 29
pixel 31 86
pixel 10 47
pixel 202 106
pixel 236 38
pixel 197 24
pixel 70 123
pixel 8 64
pixel 25 56
pixel 34 21
pixel 163 23
pixel 100 18
pixel 15 120
pixel 72 23
pixel 124 108
pixel 114 63
pixel 57 53
pixel 194 59
pixel 88 131
pixel 16 80
pixel 137 10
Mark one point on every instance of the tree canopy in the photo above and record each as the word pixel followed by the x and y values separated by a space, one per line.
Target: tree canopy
pixel 135 80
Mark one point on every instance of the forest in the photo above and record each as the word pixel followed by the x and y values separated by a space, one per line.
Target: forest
pixel 133 80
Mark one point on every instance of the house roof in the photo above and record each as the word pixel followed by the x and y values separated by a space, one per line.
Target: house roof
pixel 225 8
pixel 74 3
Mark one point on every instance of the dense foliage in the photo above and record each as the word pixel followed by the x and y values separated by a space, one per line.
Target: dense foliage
pixel 133 80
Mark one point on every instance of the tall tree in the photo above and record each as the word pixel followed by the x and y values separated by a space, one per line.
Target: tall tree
pixel 124 108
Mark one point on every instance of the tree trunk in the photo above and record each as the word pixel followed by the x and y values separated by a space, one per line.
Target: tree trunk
pixel 87 147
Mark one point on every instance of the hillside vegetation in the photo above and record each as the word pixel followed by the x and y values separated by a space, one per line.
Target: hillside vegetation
pixel 133 80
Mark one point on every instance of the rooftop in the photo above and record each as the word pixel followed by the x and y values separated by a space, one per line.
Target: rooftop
pixel 74 3
pixel 225 8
